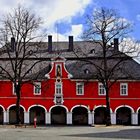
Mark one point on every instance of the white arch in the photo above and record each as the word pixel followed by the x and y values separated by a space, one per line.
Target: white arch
pixel 2 107
pixel 36 105
pixel 15 105
pixel 138 110
pixel 98 106
pixel 60 106
pixel 80 106
pixel 132 110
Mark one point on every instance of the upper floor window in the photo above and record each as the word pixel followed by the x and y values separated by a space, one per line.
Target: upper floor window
pixel 37 88
pixel 14 89
pixel 101 89
pixel 80 88
pixel 123 89
pixel 58 88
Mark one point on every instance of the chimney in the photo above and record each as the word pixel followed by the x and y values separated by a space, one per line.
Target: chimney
pixel 70 43
pixel 116 44
pixel 49 43
pixel 13 47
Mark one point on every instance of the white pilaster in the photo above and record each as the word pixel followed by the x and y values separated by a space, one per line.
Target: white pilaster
pixel 135 118
pixel 26 117
pixel 89 118
pixel 5 117
pixel 92 118
pixel 47 118
pixel 69 118
pixel 113 118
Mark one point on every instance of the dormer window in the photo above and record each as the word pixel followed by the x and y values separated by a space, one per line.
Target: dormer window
pixel 86 71
pixel 92 51
pixel 58 70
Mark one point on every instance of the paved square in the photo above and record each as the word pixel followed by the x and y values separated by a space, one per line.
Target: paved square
pixel 71 133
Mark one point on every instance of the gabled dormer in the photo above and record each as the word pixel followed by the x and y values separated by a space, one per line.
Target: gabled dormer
pixel 58 73
pixel 58 69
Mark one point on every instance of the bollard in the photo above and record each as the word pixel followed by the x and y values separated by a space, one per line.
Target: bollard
pixel 35 120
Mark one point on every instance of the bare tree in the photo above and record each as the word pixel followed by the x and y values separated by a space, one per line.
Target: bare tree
pixel 22 27
pixel 104 26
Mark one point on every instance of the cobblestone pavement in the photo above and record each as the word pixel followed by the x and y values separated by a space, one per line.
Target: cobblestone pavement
pixel 71 133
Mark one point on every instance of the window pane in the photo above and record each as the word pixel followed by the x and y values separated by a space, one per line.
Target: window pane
pixel 123 89
pixel 80 89
pixel 101 89
pixel 58 89
pixel 37 88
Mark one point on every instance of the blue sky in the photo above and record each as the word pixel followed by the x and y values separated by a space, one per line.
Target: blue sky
pixel 66 17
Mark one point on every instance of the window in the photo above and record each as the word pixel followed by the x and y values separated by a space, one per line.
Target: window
pixel 124 89
pixel 37 88
pixel 58 70
pixel 101 89
pixel 58 88
pixel 14 90
pixel 80 88
pixel 86 71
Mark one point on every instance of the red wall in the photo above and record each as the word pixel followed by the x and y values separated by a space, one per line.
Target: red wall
pixel 90 97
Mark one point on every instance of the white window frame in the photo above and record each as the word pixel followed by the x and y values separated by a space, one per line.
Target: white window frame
pixel 14 92
pixel 101 90
pixel 35 84
pixel 124 89
pixel 61 88
pixel 77 88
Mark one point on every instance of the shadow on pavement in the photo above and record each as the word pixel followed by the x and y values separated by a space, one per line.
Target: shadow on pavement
pixel 124 134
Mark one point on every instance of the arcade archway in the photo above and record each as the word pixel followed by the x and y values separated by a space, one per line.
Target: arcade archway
pixel 123 116
pixel 58 115
pixel 39 113
pixel 100 115
pixel 12 115
pixel 1 115
pixel 80 116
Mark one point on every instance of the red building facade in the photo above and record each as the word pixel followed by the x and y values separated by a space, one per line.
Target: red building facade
pixel 59 99
pixel 63 95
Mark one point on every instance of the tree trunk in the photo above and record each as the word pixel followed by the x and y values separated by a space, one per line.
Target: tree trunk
pixel 108 117
pixel 18 121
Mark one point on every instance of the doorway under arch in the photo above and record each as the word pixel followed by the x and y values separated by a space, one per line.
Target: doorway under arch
pixel 1 115
pixel 39 113
pixel 58 115
pixel 100 115
pixel 139 117
pixel 12 115
pixel 80 116
pixel 123 116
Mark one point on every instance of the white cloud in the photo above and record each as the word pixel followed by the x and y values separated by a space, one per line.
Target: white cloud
pixel 76 31
pixel 51 11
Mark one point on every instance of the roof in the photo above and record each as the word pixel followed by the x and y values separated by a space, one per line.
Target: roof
pixel 76 60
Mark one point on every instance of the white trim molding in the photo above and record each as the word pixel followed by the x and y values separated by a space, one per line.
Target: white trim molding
pixel 58 106
pixel 37 105
pixel 132 110
pixel 123 89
